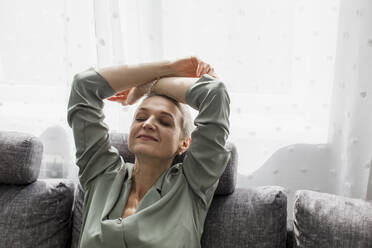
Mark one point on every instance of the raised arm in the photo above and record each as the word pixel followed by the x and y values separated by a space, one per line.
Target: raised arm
pixel 207 157
pixel 123 77
pixel 94 153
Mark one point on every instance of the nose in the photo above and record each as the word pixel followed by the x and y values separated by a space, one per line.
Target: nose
pixel 149 123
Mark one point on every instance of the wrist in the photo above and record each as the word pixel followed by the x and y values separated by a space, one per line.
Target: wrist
pixel 166 69
pixel 153 86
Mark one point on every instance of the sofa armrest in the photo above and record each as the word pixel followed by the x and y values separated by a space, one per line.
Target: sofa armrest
pixel 254 217
pixel 326 220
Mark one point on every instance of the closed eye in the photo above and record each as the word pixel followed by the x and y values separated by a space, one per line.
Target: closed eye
pixel 161 122
pixel 165 123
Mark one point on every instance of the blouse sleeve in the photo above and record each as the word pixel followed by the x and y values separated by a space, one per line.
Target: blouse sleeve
pixel 207 157
pixel 94 153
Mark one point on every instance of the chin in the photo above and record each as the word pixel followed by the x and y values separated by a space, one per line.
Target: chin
pixel 143 150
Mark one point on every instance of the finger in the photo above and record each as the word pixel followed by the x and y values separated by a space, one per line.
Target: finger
pixel 202 66
pixel 198 70
pixel 212 72
pixel 208 67
pixel 123 93
pixel 118 96
pixel 132 96
pixel 114 98
pixel 194 60
pixel 204 69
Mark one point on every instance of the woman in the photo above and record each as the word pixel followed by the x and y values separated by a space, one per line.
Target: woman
pixel 149 203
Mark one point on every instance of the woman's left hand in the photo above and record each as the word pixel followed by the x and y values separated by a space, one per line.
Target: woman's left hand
pixel 192 67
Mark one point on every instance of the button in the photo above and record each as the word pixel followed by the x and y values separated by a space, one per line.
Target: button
pixel 174 171
pixel 119 220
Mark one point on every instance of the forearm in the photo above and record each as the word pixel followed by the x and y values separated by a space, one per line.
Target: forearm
pixel 123 77
pixel 175 87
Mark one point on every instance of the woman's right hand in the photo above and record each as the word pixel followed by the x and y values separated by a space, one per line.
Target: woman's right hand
pixel 121 97
pixel 131 96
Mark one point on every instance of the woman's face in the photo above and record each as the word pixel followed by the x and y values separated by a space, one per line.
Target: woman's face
pixel 160 119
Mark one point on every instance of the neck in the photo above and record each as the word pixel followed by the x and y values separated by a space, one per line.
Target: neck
pixel 145 173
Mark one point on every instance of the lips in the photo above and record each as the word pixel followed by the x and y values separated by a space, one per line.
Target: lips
pixel 147 137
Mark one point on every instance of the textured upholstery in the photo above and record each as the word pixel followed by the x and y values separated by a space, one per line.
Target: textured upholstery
pixel 329 221
pixel 228 179
pixel 247 218
pixel 77 215
pixel 20 157
pixel 36 215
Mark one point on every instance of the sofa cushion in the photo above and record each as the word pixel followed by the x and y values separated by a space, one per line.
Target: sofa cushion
pixel 227 181
pixel 326 220
pixel 254 218
pixel 77 216
pixel 20 157
pixel 36 215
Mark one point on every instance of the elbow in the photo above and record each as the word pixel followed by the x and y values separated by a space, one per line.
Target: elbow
pixel 219 88
pixel 78 80
pixel 83 75
pixel 81 78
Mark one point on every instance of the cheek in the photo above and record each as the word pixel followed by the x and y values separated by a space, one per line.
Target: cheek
pixel 131 136
pixel 173 140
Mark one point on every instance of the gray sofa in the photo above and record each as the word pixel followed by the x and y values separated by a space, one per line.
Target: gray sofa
pixel 47 213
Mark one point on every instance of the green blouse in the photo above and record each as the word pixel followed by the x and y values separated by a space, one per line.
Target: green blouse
pixel 173 211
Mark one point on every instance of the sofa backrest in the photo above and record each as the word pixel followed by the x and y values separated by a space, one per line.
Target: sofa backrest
pixel 325 220
pixel 20 157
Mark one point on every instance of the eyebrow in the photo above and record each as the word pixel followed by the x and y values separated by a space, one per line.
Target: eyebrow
pixel 161 112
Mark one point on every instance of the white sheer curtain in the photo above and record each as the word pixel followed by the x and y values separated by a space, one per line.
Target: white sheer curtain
pixel 350 137
pixel 297 73
pixel 43 43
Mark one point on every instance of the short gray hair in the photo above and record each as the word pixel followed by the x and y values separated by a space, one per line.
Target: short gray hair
pixel 187 121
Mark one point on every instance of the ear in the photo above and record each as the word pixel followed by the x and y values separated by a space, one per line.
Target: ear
pixel 184 145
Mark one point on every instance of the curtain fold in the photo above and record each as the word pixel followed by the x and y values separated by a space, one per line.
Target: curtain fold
pixel 351 119
pixel 108 33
